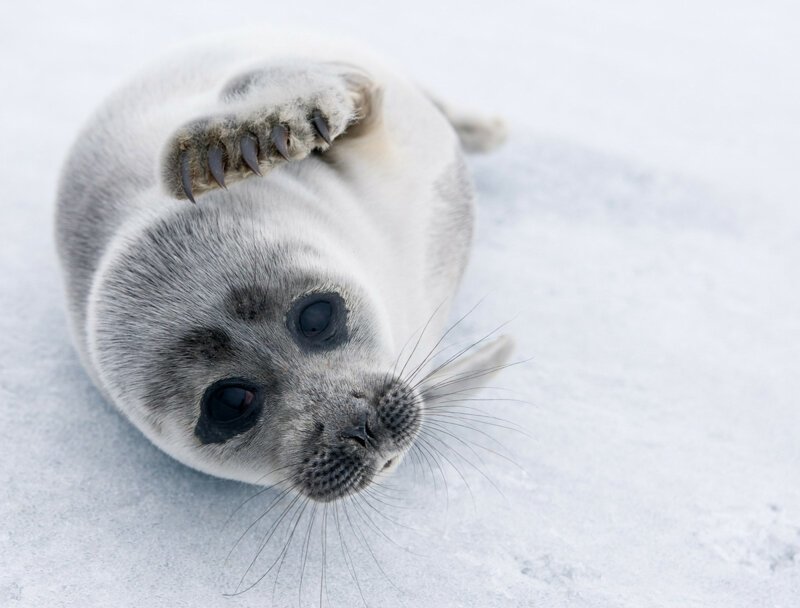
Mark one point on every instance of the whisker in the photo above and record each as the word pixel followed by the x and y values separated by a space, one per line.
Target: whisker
pixel 446 416
pixel 345 551
pixel 463 399
pixel 470 375
pixel 357 532
pixel 467 461
pixel 259 493
pixel 402 350
pixel 364 498
pixel 442 338
pixel 461 353
pixel 263 544
pixel 376 496
pixel 391 373
pixel 421 334
pixel 273 504
pixel 483 447
pixel 456 407
pixel 429 456
pixel 371 523
pixel 323 583
pixel 282 555
pixel 423 438
pixel 304 555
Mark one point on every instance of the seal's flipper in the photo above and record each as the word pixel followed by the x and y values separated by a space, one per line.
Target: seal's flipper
pixel 267 117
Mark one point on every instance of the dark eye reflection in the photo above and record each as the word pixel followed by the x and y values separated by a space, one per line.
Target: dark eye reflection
pixel 315 318
pixel 229 407
pixel 318 320
pixel 228 403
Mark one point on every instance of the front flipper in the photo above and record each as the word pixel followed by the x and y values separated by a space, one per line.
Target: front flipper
pixel 281 116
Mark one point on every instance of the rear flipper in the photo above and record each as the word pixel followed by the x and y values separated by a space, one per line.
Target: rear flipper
pixel 477 133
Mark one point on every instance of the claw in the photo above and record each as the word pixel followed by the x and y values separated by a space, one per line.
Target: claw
pixel 216 164
pixel 249 147
pixel 321 126
pixel 186 176
pixel 280 136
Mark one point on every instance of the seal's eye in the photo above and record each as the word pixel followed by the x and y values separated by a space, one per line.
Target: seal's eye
pixel 228 403
pixel 318 320
pixel 315 318
pixel 229 407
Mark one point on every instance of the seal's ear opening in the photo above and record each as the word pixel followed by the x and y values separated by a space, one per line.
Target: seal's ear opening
pixel 471 371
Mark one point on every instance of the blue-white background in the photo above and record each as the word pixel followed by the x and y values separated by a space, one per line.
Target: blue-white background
pixel 642 230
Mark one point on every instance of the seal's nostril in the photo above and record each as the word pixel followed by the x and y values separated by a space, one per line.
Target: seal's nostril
pixel 369 432
pixel 358 439
pixel 361 433
pixel 387 464
pixel 357 434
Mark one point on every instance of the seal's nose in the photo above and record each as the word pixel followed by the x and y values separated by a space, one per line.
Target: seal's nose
pixel 360 432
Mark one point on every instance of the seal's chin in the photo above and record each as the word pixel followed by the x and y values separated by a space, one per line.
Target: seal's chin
pixel 338 473
pixel 354 448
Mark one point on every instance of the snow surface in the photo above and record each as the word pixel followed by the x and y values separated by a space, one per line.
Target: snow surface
pixel 641 228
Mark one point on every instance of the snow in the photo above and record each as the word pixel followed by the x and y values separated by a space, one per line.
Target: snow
pixel 640 230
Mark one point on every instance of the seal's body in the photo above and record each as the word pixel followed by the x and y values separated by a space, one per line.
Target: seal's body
pixel 259 334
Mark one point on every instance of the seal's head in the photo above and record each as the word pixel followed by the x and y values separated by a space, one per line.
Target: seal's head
pixel 252 359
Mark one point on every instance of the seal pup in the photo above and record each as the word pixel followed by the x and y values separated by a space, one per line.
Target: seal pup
pixel 260 334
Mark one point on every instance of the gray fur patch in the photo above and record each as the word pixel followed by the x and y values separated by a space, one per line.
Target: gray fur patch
pixel 252 303
pixel 209 343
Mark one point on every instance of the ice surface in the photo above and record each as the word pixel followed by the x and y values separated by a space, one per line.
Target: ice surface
pixel 641 232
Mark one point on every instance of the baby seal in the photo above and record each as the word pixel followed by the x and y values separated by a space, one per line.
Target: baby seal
pixel 279 330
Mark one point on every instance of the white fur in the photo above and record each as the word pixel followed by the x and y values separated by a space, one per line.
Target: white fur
pixel 392 212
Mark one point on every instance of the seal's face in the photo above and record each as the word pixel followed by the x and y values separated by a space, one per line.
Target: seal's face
pixel 323 415
pixel 252 360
